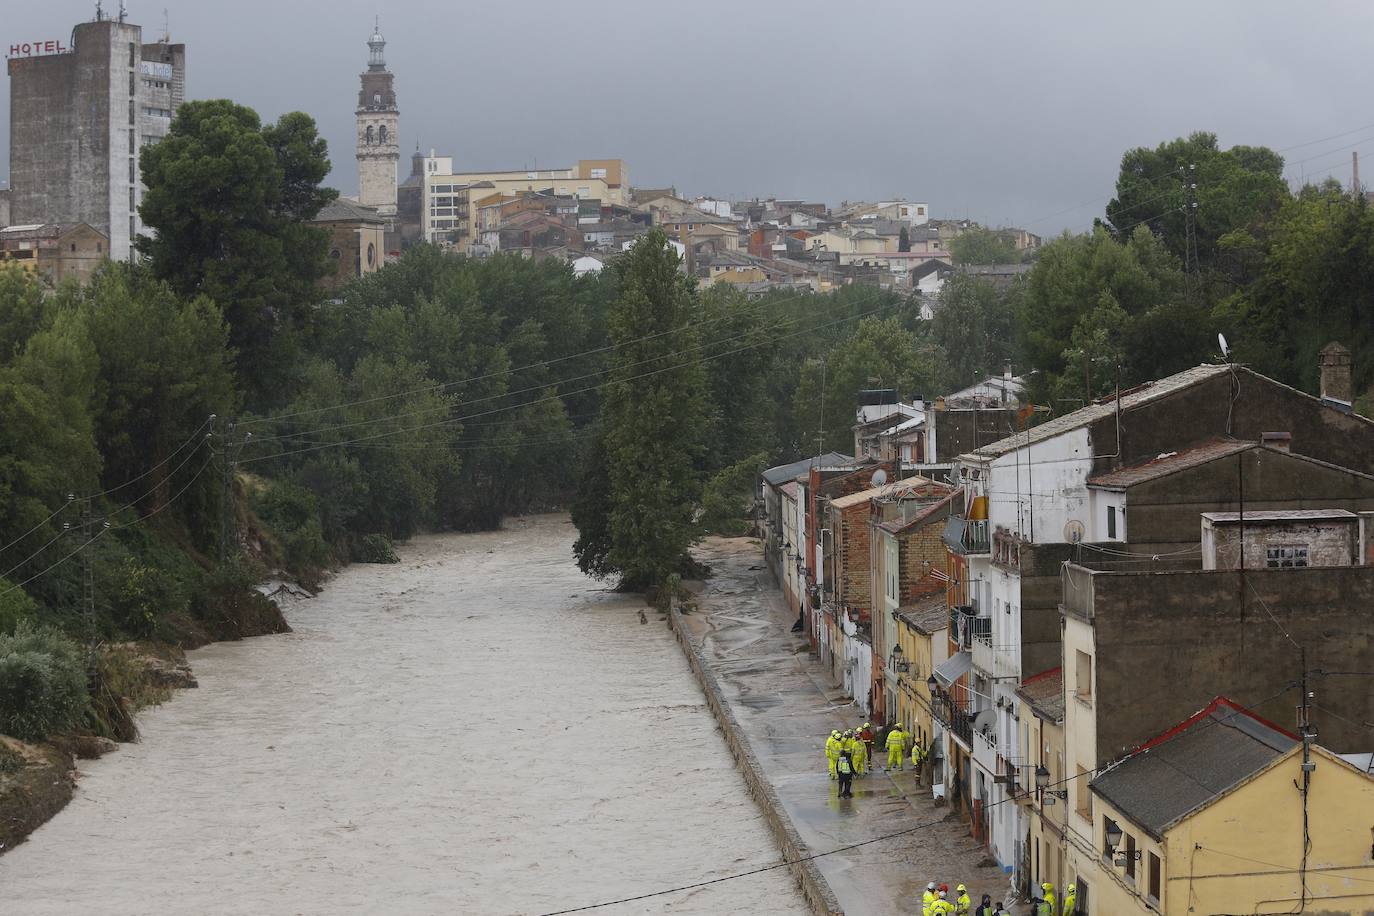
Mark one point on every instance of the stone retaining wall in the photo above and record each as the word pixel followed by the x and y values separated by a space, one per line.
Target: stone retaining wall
pixel 813 885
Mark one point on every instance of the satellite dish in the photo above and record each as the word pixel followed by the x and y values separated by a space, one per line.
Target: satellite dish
pixel 1073 531
pixel 1225 350
pixel 878 479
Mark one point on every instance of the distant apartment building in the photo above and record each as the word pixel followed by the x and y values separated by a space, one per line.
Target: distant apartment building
pixel 81 112
pixel 454 221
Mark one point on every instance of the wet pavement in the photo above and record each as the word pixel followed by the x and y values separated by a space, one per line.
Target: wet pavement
pixel 786 704
pixel 478 729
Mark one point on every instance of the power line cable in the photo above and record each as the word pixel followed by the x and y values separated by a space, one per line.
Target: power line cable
pixel 453 420
pixel 756 306
pixel 878 839
pixel 541 387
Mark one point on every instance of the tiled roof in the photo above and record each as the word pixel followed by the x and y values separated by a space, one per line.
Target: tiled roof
pixel 1045 694
pixel 899 488
pixel 898 526
pixel 1191 765
pixel 1170 463
pixel 1084 416
pixel 346 211
pixel 929 615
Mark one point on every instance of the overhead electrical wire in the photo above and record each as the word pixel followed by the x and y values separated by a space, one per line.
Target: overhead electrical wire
pixel 888 836
pixel 532 388
pixel 758 305
pixel 614 381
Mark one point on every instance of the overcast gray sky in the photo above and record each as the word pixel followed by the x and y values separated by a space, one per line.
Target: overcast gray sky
pixel 1007 113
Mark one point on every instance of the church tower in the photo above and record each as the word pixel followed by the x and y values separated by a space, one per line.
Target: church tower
pixel 378 148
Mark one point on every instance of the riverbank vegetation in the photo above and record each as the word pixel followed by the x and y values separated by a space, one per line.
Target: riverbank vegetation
pixel 180 429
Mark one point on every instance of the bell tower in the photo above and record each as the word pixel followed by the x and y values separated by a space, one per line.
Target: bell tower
pixel 379 150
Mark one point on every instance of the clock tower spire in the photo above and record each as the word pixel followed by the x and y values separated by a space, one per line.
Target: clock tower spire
pixel 379 149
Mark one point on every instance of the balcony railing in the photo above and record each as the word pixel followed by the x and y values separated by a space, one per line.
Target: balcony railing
pixel 965 626
pixel 967 536
pixel 953 716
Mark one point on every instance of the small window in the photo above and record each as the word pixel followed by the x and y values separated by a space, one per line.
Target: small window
pixel 99 247
pixel 133 54
pixel 1285 556
pixel 133 86
pixel 132 144
pixel 1130 858
pixel 1083 797
pixel 73 246
pixel 1111 522
pixel 1153 892
pixel 1083 674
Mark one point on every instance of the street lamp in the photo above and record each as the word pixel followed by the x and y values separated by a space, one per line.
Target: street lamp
pixel 897 661
pixel 932 685
pixel 1042 778
pixel 1113 836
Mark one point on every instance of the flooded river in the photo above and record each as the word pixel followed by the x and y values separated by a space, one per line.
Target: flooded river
pixel 478 729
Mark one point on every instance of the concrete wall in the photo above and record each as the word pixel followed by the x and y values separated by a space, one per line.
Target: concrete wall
pixel 1168 643
pixel 794 849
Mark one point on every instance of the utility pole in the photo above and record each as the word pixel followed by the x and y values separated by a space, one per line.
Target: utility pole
pixel 1190 229
pixel 229 462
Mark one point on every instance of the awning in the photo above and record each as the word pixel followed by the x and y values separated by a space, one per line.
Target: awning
pixel 953 668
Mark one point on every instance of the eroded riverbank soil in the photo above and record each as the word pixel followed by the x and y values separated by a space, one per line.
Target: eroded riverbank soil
pixel 478 729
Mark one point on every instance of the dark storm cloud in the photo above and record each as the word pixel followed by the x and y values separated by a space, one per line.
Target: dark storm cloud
pixel 1005 113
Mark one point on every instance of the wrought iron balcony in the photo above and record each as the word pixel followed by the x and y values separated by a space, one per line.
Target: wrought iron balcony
pixel 967 536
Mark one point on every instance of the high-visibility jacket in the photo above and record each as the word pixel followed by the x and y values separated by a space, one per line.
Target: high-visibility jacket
pixel 927 901
pixel 962 904
pixel 918 754
pixel 832 747
pixel 942 908
pixel 1070 902
pixel 844 765
pixel 896 738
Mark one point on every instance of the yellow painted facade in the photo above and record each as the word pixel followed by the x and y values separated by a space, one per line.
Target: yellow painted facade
pixel 913 696
pixel 1243 852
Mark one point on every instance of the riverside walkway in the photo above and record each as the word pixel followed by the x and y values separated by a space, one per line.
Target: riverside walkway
pixel 785 705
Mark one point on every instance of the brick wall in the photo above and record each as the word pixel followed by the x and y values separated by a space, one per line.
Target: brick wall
pixel 920 552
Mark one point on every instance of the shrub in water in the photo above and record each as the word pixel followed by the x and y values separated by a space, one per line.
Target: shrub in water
pixel 376 548
pixel 42 682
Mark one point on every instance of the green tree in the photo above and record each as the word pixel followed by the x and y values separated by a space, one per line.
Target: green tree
pixel 1236 189
pixel 229 198
pixel 974 326
pixel 653 415
pixel 983 246
pixel 879 354
pixel 164 369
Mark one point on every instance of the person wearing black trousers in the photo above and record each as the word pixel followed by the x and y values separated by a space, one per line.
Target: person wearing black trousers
pixel 845 768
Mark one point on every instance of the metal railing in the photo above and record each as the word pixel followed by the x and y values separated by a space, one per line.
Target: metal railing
pixel 967 536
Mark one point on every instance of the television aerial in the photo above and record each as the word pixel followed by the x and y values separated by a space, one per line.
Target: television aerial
pixel 1225 350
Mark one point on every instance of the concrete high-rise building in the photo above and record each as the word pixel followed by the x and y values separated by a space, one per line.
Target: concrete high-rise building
pixel 379 149
pixel 80 113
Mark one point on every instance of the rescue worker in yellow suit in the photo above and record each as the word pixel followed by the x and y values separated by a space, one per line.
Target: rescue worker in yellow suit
pixel 859 751
pixel 962 905
pixel 896 747
pixel 928 899
pixel 832 752
pixel 1070 900
pixel 1047 895
pixel 942 906
pixel 918 759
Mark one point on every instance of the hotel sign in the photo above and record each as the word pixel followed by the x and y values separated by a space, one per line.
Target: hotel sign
pixel 36 48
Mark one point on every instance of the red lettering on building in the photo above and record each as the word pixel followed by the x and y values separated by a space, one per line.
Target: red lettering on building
pixel 35 48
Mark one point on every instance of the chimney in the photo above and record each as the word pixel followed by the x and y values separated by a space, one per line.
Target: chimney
pixel 1337 390
pixel 1281 441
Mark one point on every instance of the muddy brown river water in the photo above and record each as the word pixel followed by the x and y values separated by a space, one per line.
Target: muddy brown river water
pixel 477 730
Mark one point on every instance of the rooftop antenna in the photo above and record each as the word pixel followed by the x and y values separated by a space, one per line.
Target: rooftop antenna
pixel 123 11
pixel 166 27
pixel 99 11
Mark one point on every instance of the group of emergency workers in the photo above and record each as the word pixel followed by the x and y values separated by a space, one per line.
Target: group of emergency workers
pixel 936 902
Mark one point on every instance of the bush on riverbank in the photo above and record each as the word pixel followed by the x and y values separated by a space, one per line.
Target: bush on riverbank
pixel 42 683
